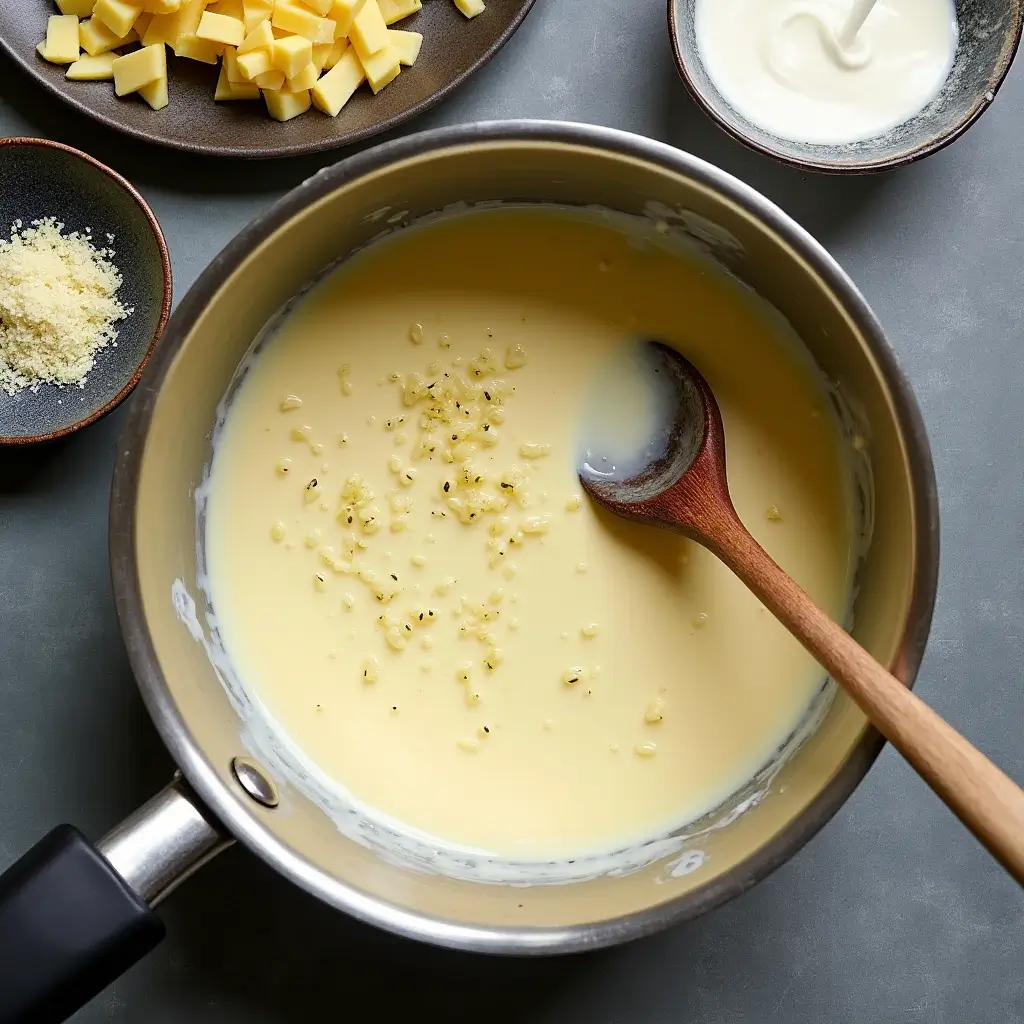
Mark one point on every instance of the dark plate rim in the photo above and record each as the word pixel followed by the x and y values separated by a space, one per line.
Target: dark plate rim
pixel 165 309
pixel 272 152
pixel 938 141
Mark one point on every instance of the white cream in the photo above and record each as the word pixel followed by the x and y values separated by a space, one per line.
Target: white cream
pixel 788 66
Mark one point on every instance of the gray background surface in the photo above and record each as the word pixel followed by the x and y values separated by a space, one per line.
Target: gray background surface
pixel 892 914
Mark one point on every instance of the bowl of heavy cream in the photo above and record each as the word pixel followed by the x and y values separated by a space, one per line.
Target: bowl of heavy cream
pixel 354 550
pixel 844 85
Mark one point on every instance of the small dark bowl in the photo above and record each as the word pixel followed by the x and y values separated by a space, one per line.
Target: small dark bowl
pixel 46 179
pixel 990 32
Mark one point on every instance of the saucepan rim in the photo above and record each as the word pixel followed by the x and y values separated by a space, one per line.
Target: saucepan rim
pixel 240 820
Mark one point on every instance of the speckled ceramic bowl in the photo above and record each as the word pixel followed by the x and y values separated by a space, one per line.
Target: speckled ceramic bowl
pixel 47 179
pixel 990 32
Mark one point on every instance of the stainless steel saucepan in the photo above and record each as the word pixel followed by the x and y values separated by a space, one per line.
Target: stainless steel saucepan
pixel 73 915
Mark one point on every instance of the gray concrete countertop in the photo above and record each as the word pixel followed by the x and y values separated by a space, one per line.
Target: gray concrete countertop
pixel 893 915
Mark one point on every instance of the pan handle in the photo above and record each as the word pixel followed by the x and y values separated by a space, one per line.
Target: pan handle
pixel 73 916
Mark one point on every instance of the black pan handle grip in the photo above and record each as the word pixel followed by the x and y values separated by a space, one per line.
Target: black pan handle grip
pixel 73 916
pixel 69 925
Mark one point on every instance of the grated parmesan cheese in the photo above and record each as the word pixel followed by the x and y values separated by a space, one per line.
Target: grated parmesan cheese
pixel 58 305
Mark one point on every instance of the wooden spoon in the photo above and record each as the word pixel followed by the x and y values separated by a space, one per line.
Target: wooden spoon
pixel 685 489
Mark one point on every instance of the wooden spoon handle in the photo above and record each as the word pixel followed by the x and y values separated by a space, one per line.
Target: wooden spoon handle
pixel 986 800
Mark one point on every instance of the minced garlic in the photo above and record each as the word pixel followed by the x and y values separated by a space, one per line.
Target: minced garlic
pixel 58 305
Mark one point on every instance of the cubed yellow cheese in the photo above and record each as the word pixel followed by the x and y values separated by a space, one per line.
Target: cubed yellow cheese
pixel 336 87
pixel 283 106
pixel 396 10
pixel 470 8
pixel 160 6
pixel 169 28
pixel 322 54
pixel 291 54
pixel 204 50
pixel 219 28
pixel 137 69
pixel 142 23
pixel 117 15
pixel 255 12
pixel 322 7
pixel 272 80
pixel 155 94
pixel 407 44
pixel 368 33
pixel 259 38
pixel 342 14
pixel 337 50
pixel 96 38
pixel 303 22
pixel 305 79
pixel 253 63
pixel 79 8
pixel 381 67
pixel 228 90
pixel 229 8
pixel 229 64
pixel 92 69
pixel 61 46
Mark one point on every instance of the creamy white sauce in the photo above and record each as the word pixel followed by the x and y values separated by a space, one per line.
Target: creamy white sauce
pixel 627 413
pixel 565 770
pixel 789 67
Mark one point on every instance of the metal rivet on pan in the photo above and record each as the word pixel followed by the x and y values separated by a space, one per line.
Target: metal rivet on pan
pixel 254 781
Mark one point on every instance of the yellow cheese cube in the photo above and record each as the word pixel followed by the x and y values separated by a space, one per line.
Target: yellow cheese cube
pixel 407 44
pixel 304 80
pixel 255 12
pixel 381 67
pixel 342 13
pixel 336 87
pixel 96 38
pixel 142 23
pixel 160 6
pixel 259 38
pixel 322 7
pixel 283 106
pixel 253 63
pixel 61 46
pixel 137 69
pixel 272 80
pixel 194 48
pixel 117 15
pixel 169 28
pixel 229 8
pixel 337 51
pixel 368 33
pixel 219 28
pixel 322 54
pixel 228 90
pixel 92 69
pixel 229 64
pixel 303 22
pixel 155 94
pixel 291 54
pixel 396 10
pixel 79 8
pixel 470 8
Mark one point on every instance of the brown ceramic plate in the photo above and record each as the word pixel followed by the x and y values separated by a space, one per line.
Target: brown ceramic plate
pixel 453 48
